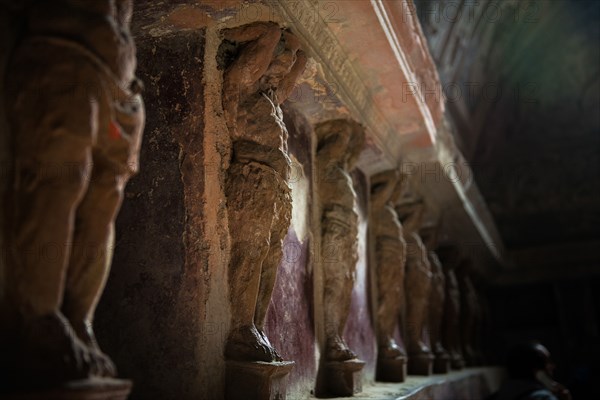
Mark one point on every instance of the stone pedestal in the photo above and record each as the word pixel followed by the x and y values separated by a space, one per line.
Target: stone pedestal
pixel 257 380
pixel 421 364
pixel 441 364
pixel 391 370
pixel 89 389
pixel 343 378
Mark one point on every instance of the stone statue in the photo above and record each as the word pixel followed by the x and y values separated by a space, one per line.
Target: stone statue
pixel 266 63
pixel 390 257
pixel 470 313
pixel 77 118
pixel 339 145
pixel 417 288
pixel 451 339
pixel 437 300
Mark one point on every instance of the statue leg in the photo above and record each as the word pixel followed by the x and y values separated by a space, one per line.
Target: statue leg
pixel 388 307
pixel 418 291
pixel 279 228
pixel 92 253
pixel 53 159
pixel 268 275
pixel 338 267
pixel 250 200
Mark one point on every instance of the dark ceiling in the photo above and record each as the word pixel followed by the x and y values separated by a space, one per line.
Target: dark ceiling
pixel 527 112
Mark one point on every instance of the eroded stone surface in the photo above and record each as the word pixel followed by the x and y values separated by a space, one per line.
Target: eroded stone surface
pixel 417 283
pixel 261 63
pixel 470 318
pixel 76 118
pixel 390 258
pixel 452 308
pixel 156 295
pixel 339 145
pixel 257 380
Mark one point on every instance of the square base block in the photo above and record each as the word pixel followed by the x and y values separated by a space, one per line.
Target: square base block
pixel 391 369
pixel 344 378
pixel 256 380
pixel 420 364
pixel 87 389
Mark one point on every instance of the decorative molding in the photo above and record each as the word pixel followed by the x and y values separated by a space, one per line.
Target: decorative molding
pixel 338 70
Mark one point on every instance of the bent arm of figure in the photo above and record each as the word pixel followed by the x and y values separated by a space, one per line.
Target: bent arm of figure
pixel 382 187
pixel 414 214
pixel 252 62
pixel 255 57
pixel 287 84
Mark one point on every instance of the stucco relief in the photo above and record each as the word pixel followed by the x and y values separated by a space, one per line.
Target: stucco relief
pixel 417 286
pixel 451 336
pixel 262 63
pixel 76 120
pixel 339 144
pixel 390 259
pixel 437 300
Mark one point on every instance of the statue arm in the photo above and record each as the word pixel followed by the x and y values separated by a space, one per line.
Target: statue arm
pixel 288 83
pixel 414 214
pixel 255 57
pixel 382 187
pixel 252 62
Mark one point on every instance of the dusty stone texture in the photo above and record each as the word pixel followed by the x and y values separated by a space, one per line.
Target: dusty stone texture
pixel 359 333
pixel 451 336
pixel 76 119
pixel 290 323
pixel 261 64
pixel 437 299
pixel 151 315
pixel 257 380
pixel 390 258
pixel 418 280
pixel 471 314
pixel 339 144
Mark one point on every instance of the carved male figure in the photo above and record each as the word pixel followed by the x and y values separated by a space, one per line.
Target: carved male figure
pixel 266 63
pixel 417 283
pixel 339 145
pixel 77 120
pixel 470 313
pixel 390 256
pixel 451 339
pixel 437 299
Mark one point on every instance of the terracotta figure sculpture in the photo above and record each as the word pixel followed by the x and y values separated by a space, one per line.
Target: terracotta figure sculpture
pixel 390 257
pixel 266 63
pixel 437 299
pixel 451 339
pixel 470 313
pixel 339 145
pixel 77 119
pixel 417 289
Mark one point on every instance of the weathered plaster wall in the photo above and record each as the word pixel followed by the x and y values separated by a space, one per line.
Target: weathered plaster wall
pixel 150 317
